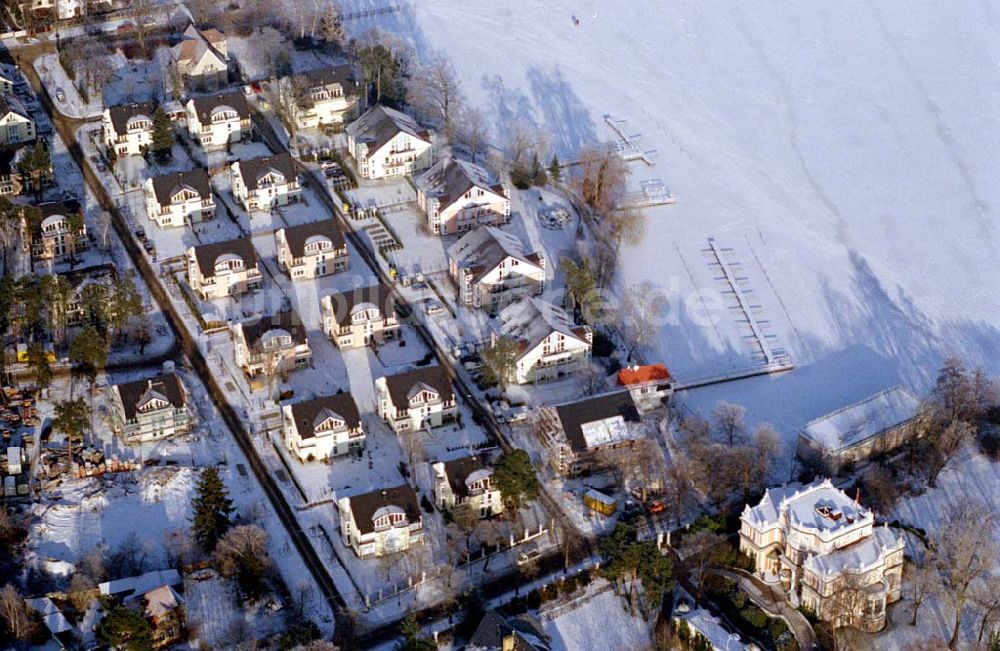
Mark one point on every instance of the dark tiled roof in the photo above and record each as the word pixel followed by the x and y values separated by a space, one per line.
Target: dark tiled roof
pixel 458 470
pixel 167 385
pixel 286 320
pixel 254 169
pixel 574 415
pixel 365 505
pixel 207 254
pixel 166 186
pixel 341 74
pixel 297 236
pixel 493 628
pixel 305 413
pixel 11 104
pixel 204 105
pixel 399 386
pixel 121 114
pixel 378 295
pixel 9 156
pixel 50 208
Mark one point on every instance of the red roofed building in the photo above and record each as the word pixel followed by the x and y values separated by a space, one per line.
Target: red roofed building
pixel 650 385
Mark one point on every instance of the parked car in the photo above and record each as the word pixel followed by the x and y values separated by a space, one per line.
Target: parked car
pixel 433 307
pixel 60 95
pixel 526 557
pixel 140 233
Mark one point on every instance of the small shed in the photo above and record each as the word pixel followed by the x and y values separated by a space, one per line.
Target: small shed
pixel 598 501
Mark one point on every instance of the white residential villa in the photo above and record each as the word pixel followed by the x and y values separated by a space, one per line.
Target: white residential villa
pixel 387 143
pixel 360 317
pixel 466 483
pixel 61 232
pixel 323 97
pixel 324 427
pixel 202 59
pixel 128 128
pixel 16 123
pixel 311 250
pixel 492 270
pixel 818 542
pixel 180 198
pixel 457 196
pixel 853 433
pixel 263 183
pixel 381 522
pixel 549 344
pixel 223 268
pixel 149 410
pixel 271 345
pixel 417 399
pixel 214 121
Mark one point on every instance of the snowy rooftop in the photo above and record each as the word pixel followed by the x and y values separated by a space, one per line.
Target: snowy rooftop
pixel 865 553
pixel 703 622
pixel 819 506
pixel 531 320
pixel 140 584
pixel 483 248
pixel 862 420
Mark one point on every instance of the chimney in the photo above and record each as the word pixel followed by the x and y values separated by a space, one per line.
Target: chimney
pixel 857 497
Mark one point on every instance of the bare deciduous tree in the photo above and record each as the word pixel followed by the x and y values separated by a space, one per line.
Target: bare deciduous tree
pixel 730 421
pixel 965 551
pixel 16 614
pixel 600 179
pixel 924 583
pixel 435 92
pixel 640 315
pixel 472 131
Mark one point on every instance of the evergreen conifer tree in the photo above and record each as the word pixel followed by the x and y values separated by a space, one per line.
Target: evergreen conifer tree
pixel 212 510
pixel 163 136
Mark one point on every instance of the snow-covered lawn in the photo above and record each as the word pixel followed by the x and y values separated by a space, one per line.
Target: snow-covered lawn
pixel 601 622
pixel 843 155
pixel 971 476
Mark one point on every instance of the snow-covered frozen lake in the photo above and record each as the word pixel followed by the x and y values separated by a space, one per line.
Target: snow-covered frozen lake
pixel 846 153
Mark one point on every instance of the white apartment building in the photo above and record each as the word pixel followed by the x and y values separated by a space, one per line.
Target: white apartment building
pixel 149 410
pixel 417 399
pixel 360 317
pixel 324 427
pixel 263 183
pixel 271 345
pixel 223 268
pixel 456 196
pixel 550 345
pixel 16 123
pixel 385 521
pixel 214 121
pixel 492 270
pixel 128 128
pixel 323 97
pixel 466 483
pixel 202 59
pixel 311 250
pixel 386 143
pixel 180 198
pixel 818 542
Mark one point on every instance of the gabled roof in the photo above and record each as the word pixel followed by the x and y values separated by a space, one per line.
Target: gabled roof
pixel 633 375
pixel 402 385
pixel 141 584
pixel 493 629
pixel 254 169
pixel 166 186
pixel 365 506
pixel 11 104
pixel 343 303
pixel 380 124
pixel 530 320
pixel 310 413
pixel 122 113
pixel 166 386
pixel 195 45
pixel 297 236
pixel 450 178
pixel 162 601
pixel 287 320
pixel 206 254
pixel 205 104
pixel 574 416
pixel 329 76
pixel 457 471
pixel 483 248
pixel 10 155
